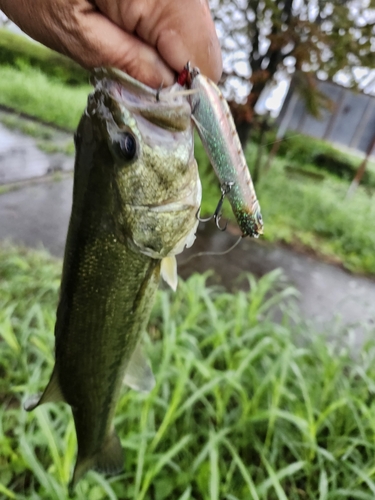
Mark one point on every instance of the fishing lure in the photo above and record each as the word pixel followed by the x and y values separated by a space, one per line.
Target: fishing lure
pixel 216 128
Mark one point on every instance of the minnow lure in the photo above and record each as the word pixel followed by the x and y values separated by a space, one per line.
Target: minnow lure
pixel 216 128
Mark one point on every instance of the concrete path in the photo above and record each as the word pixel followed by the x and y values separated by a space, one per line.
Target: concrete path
pixel 20 159
pixel 328 293
pixel 37 215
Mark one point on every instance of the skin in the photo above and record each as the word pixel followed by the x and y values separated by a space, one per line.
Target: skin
pixel 149 39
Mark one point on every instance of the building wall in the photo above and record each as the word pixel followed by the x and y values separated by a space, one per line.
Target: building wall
pixel 349 121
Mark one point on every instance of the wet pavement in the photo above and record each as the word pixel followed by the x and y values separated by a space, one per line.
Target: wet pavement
pixel 37 215
pixel 327 293
pixel 21 159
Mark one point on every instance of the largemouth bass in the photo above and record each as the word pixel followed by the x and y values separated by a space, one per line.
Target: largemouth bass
pixel 135 199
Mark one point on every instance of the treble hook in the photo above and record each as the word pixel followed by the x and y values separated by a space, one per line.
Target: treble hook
pixel 158 92
pixel 224 188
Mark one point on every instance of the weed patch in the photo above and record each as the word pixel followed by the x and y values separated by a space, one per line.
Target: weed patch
pixel 243 407
pixel 30 91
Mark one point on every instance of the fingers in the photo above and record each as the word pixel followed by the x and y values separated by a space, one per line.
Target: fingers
pixel 105 44
pixel 177 51
pixel 149 39
pixel 190 35
pixel 181 31
pixel 77 29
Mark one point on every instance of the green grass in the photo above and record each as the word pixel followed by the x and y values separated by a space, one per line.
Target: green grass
pixel 20 50
pixel 243 408
pixel 30 91
pixel 319 216
pixel 28 127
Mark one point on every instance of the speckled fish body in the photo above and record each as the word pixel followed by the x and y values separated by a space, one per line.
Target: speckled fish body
pixel 135 198
pixel 218 134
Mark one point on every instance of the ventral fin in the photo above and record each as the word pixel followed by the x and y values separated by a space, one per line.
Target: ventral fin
pixel 109 460
pixel 52 394
pixel 139 374
pixel 168 271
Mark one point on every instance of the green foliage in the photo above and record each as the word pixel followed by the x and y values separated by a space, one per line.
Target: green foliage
pixel 32 92
pixel 300 148
pixel 320 216
pixel 16 49
pixel 243 407
pixel 308 151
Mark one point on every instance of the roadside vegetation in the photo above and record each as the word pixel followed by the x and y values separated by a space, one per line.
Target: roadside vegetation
pixel 16 50
pixel 302 196
pixel 28 90
pixel 243 407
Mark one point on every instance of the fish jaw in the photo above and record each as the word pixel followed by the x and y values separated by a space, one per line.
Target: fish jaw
pixel 165 229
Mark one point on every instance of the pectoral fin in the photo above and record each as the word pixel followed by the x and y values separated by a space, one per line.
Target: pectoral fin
pixel 139 375
pixel 51 394
pixel 109 460
pixel 168 271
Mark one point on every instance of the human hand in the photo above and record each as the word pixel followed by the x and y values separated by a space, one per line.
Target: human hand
pixel 149 39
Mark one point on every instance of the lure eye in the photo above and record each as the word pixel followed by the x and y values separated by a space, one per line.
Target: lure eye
pixel 126 146
pixel 259 219
pixel 259 222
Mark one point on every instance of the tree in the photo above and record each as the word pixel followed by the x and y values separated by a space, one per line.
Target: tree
pixel 265 39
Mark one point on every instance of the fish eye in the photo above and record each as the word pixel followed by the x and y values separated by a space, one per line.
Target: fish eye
pixel 126 146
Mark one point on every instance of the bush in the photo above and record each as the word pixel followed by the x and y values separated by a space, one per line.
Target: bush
pixel 307 151
pixel 341 166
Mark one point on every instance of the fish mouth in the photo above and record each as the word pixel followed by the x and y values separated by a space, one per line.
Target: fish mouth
pixel 167 207
pixel 172 113
pixel 173 206
pixel 191 200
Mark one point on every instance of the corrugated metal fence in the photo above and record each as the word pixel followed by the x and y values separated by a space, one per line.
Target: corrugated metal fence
pixel 350 121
